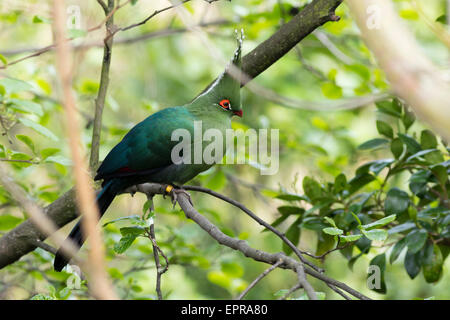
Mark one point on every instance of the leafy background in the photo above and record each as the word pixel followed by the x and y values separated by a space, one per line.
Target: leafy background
pixel 332 164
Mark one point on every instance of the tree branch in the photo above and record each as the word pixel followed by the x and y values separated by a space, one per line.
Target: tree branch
pixel 104 81
pixel 242 246
pixel 281 42
pixel 160 270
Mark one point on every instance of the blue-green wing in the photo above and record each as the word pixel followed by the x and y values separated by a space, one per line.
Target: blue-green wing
pixel 148 145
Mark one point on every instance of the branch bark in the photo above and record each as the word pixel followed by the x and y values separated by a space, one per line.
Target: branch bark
pixel 242 246
pixel 104 81
pixel 288 36
pixel 14 244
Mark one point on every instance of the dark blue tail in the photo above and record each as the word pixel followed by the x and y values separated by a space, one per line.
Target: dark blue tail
pixel 104 199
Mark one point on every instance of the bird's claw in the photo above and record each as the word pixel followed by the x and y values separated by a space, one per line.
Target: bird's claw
pixel 175 191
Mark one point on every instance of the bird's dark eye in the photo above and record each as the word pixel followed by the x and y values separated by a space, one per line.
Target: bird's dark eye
pixel 225 103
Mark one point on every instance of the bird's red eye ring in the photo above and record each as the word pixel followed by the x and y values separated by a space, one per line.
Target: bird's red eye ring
pixel 225 103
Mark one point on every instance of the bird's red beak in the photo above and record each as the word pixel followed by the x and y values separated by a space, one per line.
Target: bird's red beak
pixel 238 113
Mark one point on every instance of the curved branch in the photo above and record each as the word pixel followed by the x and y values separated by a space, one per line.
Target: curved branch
pixel 242 246
pixel 257 219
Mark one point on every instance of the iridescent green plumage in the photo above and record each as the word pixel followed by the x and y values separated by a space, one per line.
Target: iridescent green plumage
pixel 144 154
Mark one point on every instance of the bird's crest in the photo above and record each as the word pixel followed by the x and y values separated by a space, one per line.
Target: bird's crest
pixel 228 83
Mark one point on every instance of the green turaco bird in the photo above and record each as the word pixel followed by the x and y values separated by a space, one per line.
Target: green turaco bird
pixel 144 154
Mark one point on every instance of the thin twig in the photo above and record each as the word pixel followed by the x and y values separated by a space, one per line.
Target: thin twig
pixel 290 291
pixel 339 292
pixel 103 87
pixel 159 269
pixel 43 246
pixel 134 25
pixel 20 161
pixel 262 275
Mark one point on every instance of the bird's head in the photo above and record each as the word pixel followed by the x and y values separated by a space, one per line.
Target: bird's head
pixel 224 92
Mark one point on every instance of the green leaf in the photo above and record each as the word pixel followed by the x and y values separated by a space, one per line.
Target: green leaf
pixel 59 159
pixel 132 218
pixel 39 19
pixel 411 144
pixel 331 90
pixel 25 106
pixel 442 19
pixel 359 181
pixel 380 262
pixel 232 269
pixel 217 181
pixel 21 156
pixel 389 107
pixel 396 250
pixel 293 234
pixel 312 188
pixel 14 85
pixel 402 227
pixel 28 142
pixel 333 231
pixel 385 129
pixel 277 222
pixel 441 173
pixel 432 263
pixel 416 239
pixel 3 60
pixel 134 231
pixel 409 14
pixel 408 119
pixel 124 243
pixel 289 210
pixel 412 263
pixel 428 140
pixel 375 234
pixel 397 147
pixel 313 223
pixel 340 183
pixel 379 223
pixel 418 181
pixel 377 166
pixel 45 153
pixel 330 221
pixel 396 202
pixel 351 237
pixel 325 243
pixel 290 197
pixel 38 128
pixel 219 278
pixel 8 222
pixel 372 144
pixel 421 154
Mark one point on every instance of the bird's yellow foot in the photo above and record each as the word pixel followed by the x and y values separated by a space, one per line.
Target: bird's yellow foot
pixel 174 192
